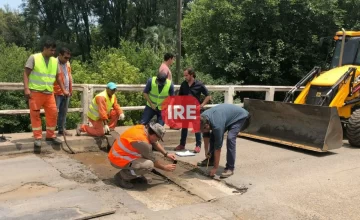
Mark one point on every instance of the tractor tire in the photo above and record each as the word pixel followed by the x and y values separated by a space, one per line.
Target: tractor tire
pixel 353 129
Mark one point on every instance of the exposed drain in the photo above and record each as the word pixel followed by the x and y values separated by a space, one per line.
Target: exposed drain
pixel 187 185
pixel 160 194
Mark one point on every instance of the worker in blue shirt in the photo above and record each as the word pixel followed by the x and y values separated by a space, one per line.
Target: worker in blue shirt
pixel 214 123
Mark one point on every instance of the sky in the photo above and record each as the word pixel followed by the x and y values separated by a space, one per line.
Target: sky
pixel 14 4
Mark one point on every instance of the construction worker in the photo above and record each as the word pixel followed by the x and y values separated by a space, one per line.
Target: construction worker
pixel 157 89
pixel 62 102
pixel 41 71
pixel 214 123
pixel 132 153
pixel 195 88
pixel 103 114
pixel 165 65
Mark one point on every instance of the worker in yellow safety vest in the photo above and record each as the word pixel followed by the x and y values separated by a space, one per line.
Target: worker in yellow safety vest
pixel 103 114
pixel 157 89
pixel 41 71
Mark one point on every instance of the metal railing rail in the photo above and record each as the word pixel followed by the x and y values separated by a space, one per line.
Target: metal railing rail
pixel 88 90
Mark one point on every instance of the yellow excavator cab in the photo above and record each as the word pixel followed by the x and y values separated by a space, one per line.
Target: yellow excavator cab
pixel 327 106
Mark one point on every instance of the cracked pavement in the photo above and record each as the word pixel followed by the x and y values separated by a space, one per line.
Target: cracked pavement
pixel 275 182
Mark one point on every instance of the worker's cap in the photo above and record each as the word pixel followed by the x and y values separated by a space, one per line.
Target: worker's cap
pixel 161 78
pixel 111 86
pixel 158 129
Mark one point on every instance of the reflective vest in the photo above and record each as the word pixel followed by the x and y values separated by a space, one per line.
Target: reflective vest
pixel 42 77
pixel 93 112
pixel 158 98
pixel 57 89
pixel 122 153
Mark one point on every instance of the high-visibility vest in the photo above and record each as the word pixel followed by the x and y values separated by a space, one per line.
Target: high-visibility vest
pixel 158 98
pixel 122 153
pixel 57 89
pixel 93 112
pixel 42 77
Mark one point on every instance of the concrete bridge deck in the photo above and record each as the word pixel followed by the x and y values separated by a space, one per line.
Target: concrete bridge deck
pixel 270 182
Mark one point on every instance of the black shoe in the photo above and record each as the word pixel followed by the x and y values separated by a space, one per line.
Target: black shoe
pixel 121 182
pixel 141 179
pixel 204 163
pixel 54 140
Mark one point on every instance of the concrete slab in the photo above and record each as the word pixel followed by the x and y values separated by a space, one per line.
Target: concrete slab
pixel 31 188
pixel 194 182
pixel 281 182
pixel 290 183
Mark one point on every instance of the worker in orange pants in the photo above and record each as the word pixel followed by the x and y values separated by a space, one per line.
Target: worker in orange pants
pixel 41 71
pixel 97 128
pixel 104 112
pixel 36 101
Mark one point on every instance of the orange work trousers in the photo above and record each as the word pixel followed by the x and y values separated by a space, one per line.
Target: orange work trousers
pixel 36 102
pixel 97 128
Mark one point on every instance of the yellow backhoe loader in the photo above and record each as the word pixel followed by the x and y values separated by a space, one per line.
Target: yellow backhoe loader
pixel 327 107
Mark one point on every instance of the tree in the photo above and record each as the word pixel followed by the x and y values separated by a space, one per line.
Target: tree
pixel 13 28
pixel 67 21
pixel 160 38
pixel 259 42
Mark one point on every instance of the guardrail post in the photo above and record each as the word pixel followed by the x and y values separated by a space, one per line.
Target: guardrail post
pixel 229 95
pixel 85 103
pixel 270 94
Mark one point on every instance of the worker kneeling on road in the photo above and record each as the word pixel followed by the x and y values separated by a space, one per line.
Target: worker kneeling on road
pixel 132 153
pixel 214 122
pixel 102 108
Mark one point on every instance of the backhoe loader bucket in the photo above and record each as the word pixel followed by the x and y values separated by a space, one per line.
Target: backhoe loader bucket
pixel 310 127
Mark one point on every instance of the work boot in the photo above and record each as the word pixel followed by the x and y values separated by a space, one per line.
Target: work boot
pixel 56 141
pixel 226 173
pixel 179 147
pixel 141 179
pixel 121 182
pixel 204 163
pixel 37 143
pixel 78 130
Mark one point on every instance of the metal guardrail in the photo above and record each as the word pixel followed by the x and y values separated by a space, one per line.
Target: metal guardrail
pixel 88 90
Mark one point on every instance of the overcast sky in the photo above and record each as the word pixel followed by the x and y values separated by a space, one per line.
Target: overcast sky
pixel 14 4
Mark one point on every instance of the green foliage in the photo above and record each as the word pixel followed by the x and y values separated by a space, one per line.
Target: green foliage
pixel 160 38
pixel 13 28
pixel 259 42
pixel 13 123
pixel 142 56
pixel 12 62
pixel 113 65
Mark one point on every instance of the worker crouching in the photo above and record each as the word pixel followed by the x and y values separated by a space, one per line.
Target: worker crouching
pixel 103 107
pixel 132 153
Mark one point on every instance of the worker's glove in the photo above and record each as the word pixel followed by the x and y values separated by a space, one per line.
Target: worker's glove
pixel 106 129
pixel 122 116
